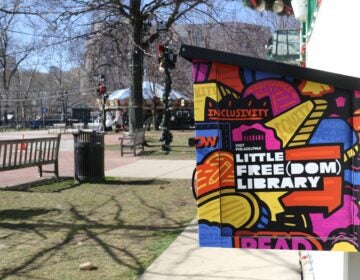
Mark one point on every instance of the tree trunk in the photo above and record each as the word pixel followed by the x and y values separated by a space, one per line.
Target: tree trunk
pixel 136 97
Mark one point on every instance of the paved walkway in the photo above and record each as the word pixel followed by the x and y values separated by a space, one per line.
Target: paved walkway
pixel 145 168
pixel 183 259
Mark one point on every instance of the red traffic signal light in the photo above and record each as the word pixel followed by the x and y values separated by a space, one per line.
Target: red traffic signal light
pixel 101 89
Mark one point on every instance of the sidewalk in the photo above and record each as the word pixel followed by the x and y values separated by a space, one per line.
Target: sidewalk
pixel 184 260
pixel 147 168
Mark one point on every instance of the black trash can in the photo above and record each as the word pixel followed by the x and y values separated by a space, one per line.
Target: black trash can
pixel 89 156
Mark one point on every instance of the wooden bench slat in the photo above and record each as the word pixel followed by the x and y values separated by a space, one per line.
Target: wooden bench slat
pixel 15 154
pixel 48 150
pixel 4 157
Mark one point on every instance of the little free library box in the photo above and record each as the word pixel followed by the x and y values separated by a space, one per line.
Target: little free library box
pixel 277 151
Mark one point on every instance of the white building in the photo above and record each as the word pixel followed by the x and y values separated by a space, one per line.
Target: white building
pixel 335 41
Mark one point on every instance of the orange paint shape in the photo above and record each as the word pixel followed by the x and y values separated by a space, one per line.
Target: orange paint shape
pixel 355 121
pixel 232 119
pixel 216 172
pixel 330 197
pixel 227 75
pixel 314 153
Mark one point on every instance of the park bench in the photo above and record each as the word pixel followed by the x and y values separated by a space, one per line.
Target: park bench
pixel 22 153
pixel 132 141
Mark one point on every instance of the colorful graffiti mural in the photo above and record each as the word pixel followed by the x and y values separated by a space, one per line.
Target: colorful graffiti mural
pixel 278 160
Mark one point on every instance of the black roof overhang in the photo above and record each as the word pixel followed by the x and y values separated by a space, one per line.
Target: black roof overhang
pixel 337 80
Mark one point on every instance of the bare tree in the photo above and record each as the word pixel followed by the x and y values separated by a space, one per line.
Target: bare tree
pixel 124 23
pixel 13 50
pixel 132 15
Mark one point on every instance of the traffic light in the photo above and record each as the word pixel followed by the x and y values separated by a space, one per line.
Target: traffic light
pixel 166 56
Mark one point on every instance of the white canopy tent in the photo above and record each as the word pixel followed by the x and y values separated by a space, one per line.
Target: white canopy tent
pixel 150 90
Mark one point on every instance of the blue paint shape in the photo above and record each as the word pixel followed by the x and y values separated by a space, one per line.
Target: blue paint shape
pixel 264 220
pixel 331 131
pixel 202 152
pixel 263 76
pixel 210 236
pixel 352 177
pixel 249 78
pixel 226 231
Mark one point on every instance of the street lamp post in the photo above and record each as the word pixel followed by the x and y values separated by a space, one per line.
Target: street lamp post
pixel 64 99
pixel 102 92
pixel 167 60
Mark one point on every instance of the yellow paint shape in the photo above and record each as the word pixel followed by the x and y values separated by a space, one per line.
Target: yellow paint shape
pixel 322 107
pixel 235 210
pixel 307 129
pixel 296 144
pixel 288 123
pixel 272 200
pixel 201 92
pixel 311 122
pixel 350 153
pixel 301 137
pixel 316 88
pixel 316 115
pixel 344 247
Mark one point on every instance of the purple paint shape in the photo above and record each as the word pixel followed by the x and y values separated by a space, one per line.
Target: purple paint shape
pixel 283 96
pixel 270 141
pixel 199 70
pixel 346 216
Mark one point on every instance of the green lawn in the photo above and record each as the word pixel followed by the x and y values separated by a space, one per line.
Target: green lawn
pixel 121 226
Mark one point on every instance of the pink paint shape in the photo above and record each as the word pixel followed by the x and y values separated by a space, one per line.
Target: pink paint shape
pixel 283 96
pixel 199 70
pixel 357 93
pixel 346 216
pixel 271 143
pixel 340 101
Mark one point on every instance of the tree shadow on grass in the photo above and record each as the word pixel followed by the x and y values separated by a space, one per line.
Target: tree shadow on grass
pixel 16 214
pixel 148 153
pixel 80 223
pixel 135 182
pixel 48 185
pixel 67 183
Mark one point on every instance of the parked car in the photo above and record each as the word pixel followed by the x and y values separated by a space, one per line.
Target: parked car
pixel 182 119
